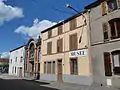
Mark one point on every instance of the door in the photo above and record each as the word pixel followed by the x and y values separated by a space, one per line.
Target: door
pixel 20 72
pixel 60 71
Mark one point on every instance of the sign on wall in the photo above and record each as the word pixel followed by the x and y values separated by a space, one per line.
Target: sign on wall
pixel 78 53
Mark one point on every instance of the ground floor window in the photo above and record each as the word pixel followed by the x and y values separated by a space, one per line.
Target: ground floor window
pixel 49 67
pixel 113 61
pixel 116 62
pixel 74 66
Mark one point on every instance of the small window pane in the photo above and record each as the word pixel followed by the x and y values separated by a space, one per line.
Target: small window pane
pixel 116 61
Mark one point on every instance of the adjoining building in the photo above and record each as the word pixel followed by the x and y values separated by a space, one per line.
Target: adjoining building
pixel 65 51
pixel 16 61
pixel 32 58
pixel 105 41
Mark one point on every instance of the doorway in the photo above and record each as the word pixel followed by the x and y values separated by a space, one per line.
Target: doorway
pixel 60 70
pixel 20 72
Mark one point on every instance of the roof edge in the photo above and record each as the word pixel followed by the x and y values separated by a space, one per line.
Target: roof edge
pixel 64 21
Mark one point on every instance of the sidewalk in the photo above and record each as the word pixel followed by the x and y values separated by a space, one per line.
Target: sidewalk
pixel 60 86
pixel 69 86
pixel 6 76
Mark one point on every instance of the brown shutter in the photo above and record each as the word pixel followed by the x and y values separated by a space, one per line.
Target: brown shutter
pixel 60 45
pixel 60 30
pixel 105 31
pixel 73 42
pixel 103 6
pixel 49 33
pixel 107 64
pixel 73 24
pixel 49 47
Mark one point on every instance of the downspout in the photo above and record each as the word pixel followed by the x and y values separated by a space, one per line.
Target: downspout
pixel 89 44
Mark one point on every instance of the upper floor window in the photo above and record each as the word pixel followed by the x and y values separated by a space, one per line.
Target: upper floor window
pixel 16 59
pixel 59 45
pixel 21 59
pixel 115 28
pixel 60 30
pixel 112 5
pixel 49 47
pixel 114 31
pixel 109 6
pixel 49 33
pixel 73 42
pixel 11 60
pixel 73 24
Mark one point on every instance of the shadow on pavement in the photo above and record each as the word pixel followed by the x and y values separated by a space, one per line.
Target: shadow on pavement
pixel 41 83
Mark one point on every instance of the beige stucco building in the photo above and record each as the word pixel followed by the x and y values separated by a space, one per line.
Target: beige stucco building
pixel 65 51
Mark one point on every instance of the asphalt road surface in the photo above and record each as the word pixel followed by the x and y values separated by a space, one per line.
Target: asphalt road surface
pixel 22 85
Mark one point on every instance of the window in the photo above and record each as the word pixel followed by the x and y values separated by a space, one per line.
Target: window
pixel 105 31
pixel 60 30
pixel 59 45
pixel 115 28
pixel 16 59
pixel 21 59
pixel 109 6
pixel 49 33
pixel 74 66
pixel 53 67
pixel 49 68
pixel 107 64
pixel 112 5
pixel 116 62
pixel 44 67
pixel 73 42
pixel 11 60
pixel 49 47
pixel 15 69
pixel 73 24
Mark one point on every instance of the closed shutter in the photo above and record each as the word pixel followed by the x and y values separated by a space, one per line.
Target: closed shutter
pixel 105 31
pixel 118 2
pixel 49 34
pixel 103 6
pixel 60 45
pixel 73 42
pixel 73 24
pixel 107 64
pixel 49 47
pixel 60 30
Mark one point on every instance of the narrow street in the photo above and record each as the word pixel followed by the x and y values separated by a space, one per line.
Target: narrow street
pixel 22 85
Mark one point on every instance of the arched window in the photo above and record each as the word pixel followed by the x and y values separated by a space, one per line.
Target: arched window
pixel 31 52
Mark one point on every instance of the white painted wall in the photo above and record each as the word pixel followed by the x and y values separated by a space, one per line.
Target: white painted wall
pixel 17 53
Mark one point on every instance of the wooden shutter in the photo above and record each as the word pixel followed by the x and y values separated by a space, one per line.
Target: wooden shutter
pixel 53 67
pixel 73 42
pixel 105 31
pixel 60 30
pixel 49 47
pixel 107 64
pixel 103 6
pixel 73 24
pixel 49 33
pixel 44 67
pixel 60 45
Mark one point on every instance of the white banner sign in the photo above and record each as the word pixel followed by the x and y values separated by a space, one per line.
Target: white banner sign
pixel 78 53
